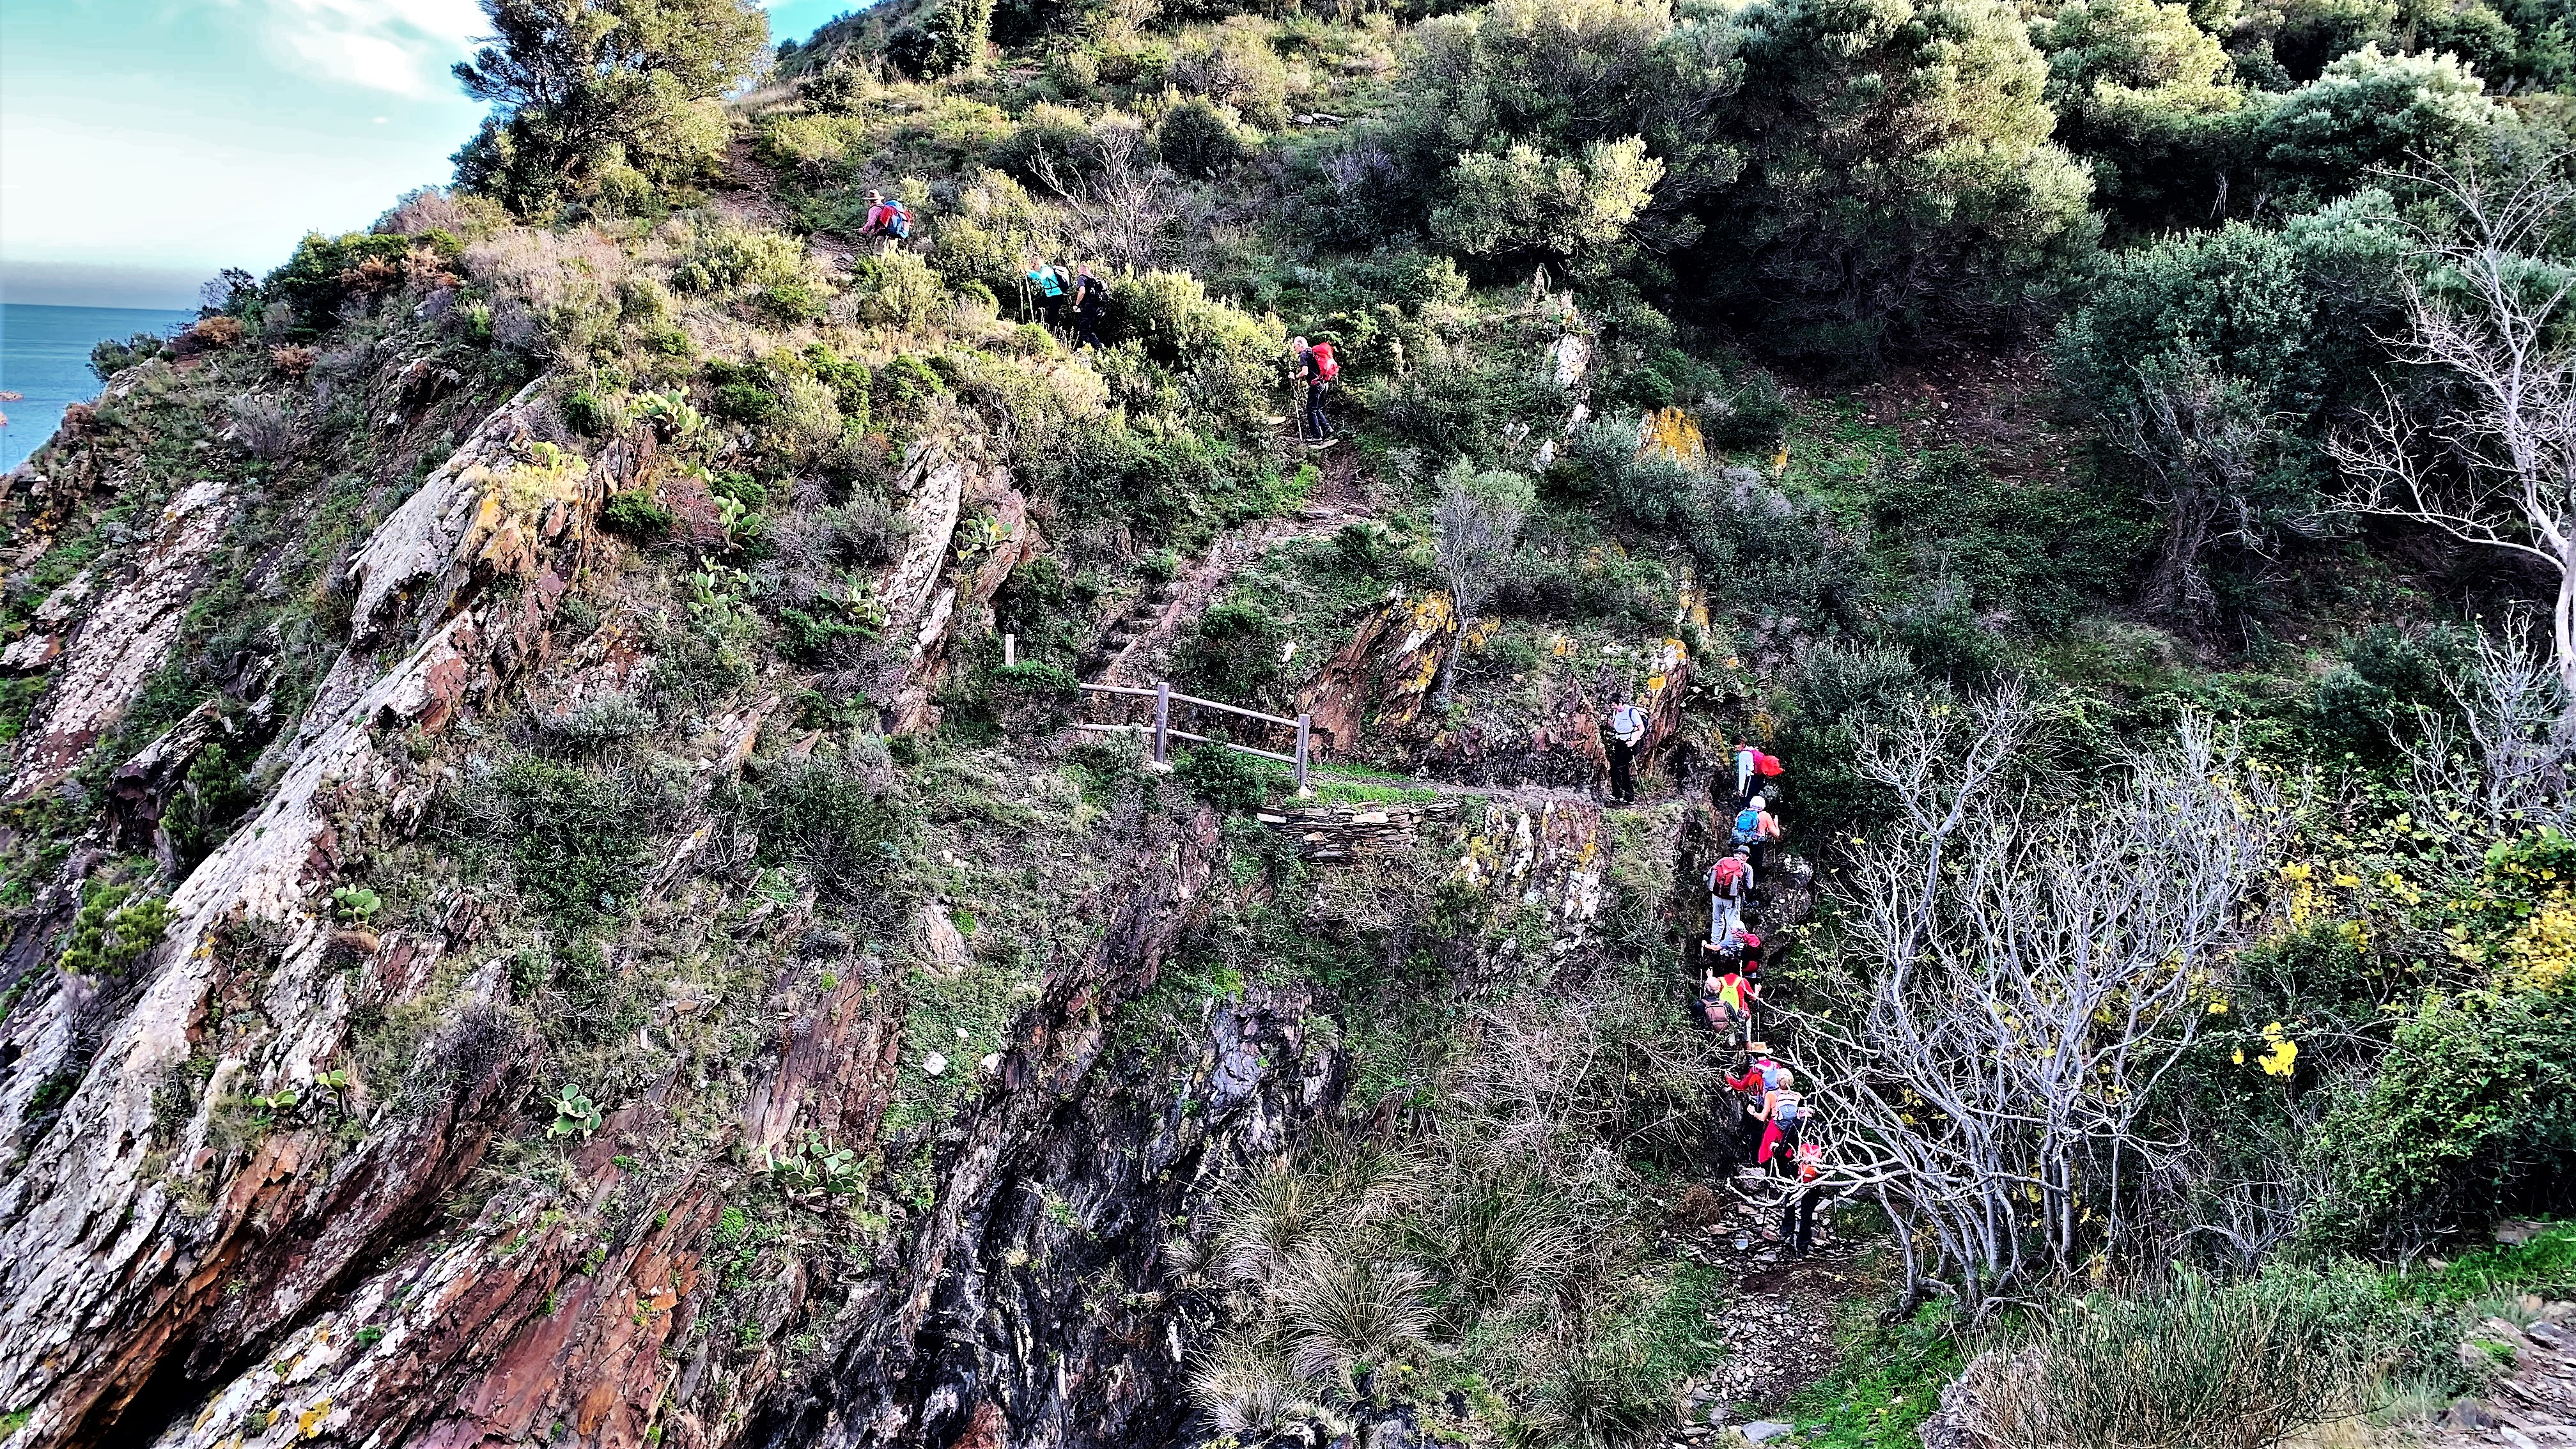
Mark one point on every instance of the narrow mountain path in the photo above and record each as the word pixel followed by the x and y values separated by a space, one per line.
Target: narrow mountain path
pixel 1137 643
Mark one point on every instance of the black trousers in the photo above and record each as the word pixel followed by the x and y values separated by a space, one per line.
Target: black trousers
pixel 1798 1220
pixel 1623 761
pixel 1090 321
pixel 1051 310
pixel 1318 426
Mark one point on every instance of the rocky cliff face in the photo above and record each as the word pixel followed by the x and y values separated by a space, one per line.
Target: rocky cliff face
pixel 845 1166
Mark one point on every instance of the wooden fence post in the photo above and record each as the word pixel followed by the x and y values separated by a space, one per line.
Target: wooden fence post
pixel 1303 722
pixel 1162 719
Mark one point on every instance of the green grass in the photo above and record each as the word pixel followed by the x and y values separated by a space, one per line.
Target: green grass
pixel 1888 1382
pixel 2544 1264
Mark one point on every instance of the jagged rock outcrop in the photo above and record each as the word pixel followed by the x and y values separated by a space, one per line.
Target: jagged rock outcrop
pixel 136 1244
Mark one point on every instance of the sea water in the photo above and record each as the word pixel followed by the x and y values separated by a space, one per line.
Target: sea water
pixel 44 358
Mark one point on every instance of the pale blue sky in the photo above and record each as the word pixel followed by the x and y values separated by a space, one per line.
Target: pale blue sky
pixel 144 144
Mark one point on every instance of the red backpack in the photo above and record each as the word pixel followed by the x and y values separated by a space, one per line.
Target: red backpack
pixel 1327 367
pixel 1725 873
pixel 1765 765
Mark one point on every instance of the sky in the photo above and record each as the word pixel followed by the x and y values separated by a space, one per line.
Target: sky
pixel 147 144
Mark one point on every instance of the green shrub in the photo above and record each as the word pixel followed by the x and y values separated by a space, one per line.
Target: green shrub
pixel 113 931
pixel 897 290
pixel 1200 137
pixel 1033 696
pixel 1227 779
pixel 718 256
pixel 2465 1120
pixel 633 513
pixel 817 815
pixel 1232 652
pixel 577 837
pixel 111 357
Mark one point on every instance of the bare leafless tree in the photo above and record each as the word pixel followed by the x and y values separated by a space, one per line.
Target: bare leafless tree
pixel 2208 447
pixel 1121 202
pixel 2502 766
pixel 2496 463
pixel 2022 975
pixel 1476 522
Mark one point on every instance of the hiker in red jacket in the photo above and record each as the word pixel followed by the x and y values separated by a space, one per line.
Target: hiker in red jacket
pixel 1317 368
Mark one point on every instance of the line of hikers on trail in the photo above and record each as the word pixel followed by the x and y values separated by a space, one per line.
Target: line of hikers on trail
pixel 1763 1122
pixel 1050 293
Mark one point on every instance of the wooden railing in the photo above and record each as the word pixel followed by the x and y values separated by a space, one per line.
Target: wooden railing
pixel 1162 731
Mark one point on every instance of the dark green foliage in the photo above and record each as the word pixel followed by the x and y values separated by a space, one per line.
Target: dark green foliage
pixel 1233 652
pixel 2142 92
pixel 577 837
pixel 111 357
pixel 2466 1120
pixel 208 801
pixel 113 930
pixel 633 513
pixel 2371 706
pixel 1198 138
pixel 2367 111
pixel 1457 406
pixel 319 277
pixel 2046 554
pixel 820 816
pixel 1900 188
pixel 951 38
pixel 590 414
pixel 1227 779
pixel 1032 697
pixel 823 636
pixel 600 101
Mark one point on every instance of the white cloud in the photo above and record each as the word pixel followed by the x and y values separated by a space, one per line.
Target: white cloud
pixel 403 47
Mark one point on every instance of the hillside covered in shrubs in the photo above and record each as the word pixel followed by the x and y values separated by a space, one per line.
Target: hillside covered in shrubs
pixel 566 880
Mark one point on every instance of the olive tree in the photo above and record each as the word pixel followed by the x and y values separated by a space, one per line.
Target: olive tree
pixel 600 100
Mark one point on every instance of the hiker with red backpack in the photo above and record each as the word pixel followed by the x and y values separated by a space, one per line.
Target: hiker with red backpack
pixel 1730 879
pixel 1318 369
pixel 1783 1116
pixel 889 219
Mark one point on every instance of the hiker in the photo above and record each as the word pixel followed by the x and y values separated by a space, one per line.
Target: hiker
pixel 1317 368
pixel 1783 1111
pixel 1729 880
pixel 1726 1001
pixel 1756 1080
pixel 891 220
pixel 1746 756
pixel 1755 828
pixel 1047 285
pixel 1627 731
pixel 1798 1209
pixel 1090 306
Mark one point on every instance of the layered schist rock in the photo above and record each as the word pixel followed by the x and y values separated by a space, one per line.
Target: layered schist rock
pixel 137 1252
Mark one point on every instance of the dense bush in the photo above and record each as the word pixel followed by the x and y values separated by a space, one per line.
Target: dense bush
pixel 600 101
pixel 822 816
pixel 1900 188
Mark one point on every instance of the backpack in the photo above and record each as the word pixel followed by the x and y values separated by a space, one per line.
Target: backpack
pixel 898 220
pixel 1748 824
pixel 1327 367
pixel 1784 1112
pixel 1765 765
pixel 1811 1161
pixel 1724 874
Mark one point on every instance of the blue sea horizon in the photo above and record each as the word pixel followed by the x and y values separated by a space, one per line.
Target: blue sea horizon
pixel 44 358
